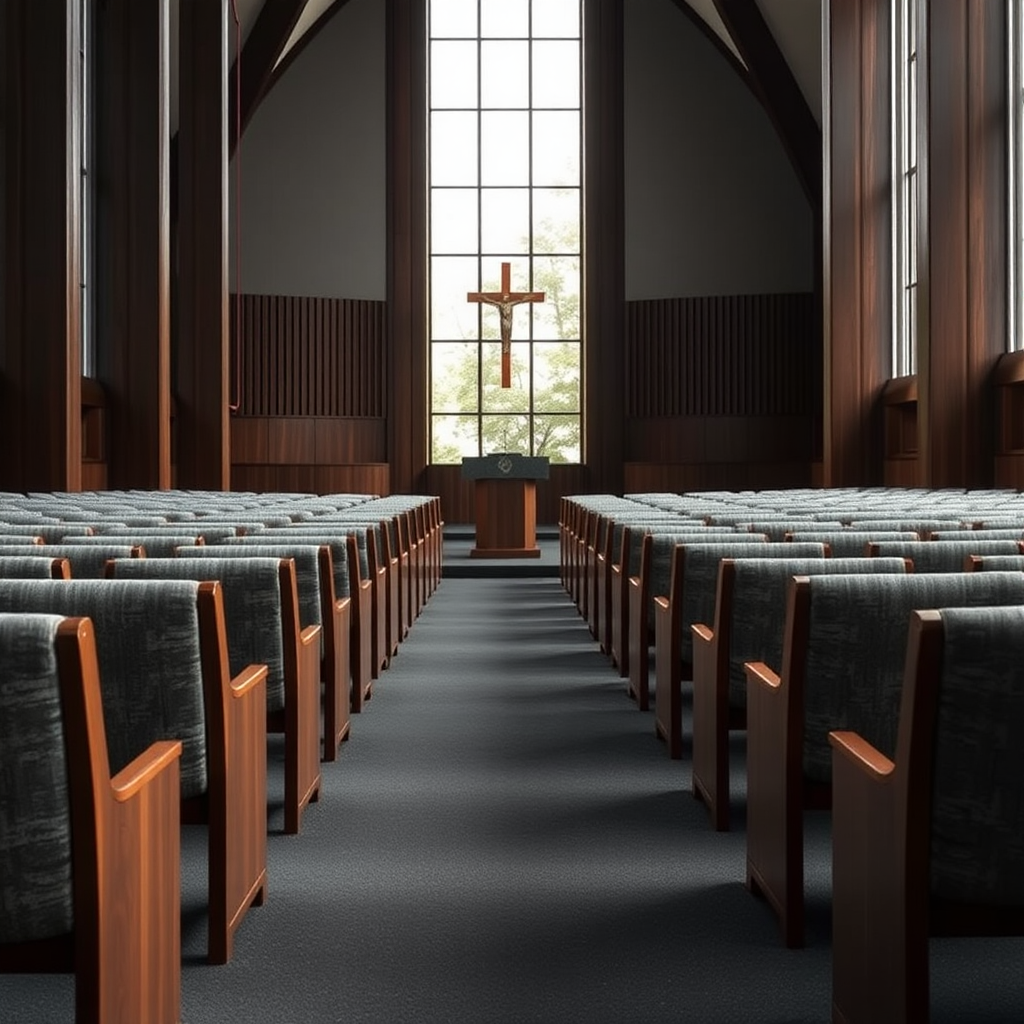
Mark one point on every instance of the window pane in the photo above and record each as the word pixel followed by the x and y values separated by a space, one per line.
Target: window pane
pixel 556 220
pixel 504 148
pixel 505 74
pixel 453 148
pixel 556 18
pixel 558 316
pixel 453 220
pixel 455 377
pixel 505 220
pixel 507 18
pixel 556 377
pixel 453 438
pixel 556 74
pixel 505 433
pixel 515 398
pixel 556 148
pixel 557 437
pixel 453 18
pixel 452 317
pixel 453 78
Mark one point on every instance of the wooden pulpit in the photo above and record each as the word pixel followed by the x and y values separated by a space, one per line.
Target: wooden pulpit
pixel 506 503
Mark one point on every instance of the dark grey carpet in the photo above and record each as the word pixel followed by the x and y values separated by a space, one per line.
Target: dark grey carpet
pixel 504 840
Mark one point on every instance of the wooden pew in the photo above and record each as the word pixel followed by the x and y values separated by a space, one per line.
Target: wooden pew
pixel 927 842
pixel 842 669
pixel 318 606
pixel 653 579
pixel 261 613
pixel 748 621
pixel 86 561
pixel 166 674
pixel 942 555
pixel 689 597
pixel 108 908
pixel 32 568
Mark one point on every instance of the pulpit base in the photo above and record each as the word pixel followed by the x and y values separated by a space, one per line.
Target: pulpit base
pixel 504 553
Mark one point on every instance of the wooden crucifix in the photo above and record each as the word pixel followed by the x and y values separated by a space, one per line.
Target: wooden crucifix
pixel 505 300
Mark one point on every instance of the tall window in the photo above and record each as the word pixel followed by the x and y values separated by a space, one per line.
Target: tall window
pixel 1015 106
pixel 906 202
pixel 505 145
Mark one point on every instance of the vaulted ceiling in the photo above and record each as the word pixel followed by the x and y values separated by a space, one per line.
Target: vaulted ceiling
pixel 774 44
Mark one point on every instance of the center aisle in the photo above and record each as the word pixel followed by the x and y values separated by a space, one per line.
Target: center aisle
pixel 503 839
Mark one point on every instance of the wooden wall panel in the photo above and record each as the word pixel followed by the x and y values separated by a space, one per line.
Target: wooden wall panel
pixel 307 356
pixel 132 275
pixel 704 476
pixel 721 355
pixel 963 243
pixel 40 382
pixel 350 440
pixel 291 440
pixel 857 238
pixel 365 479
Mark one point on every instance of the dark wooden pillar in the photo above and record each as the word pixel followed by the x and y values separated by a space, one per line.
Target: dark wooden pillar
pixel 857 242
pixel 40 354
pixel 963 245
pixel 407 243
pixel 133 239
pixel 604 320
pixel 201 361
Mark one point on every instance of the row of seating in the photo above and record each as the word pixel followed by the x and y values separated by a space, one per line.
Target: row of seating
pixel 841 670
pixel 214 650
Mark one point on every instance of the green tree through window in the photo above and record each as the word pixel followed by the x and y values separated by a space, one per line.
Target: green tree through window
pixel 505 186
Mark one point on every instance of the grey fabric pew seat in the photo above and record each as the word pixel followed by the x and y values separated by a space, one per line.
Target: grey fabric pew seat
pixel 318 606
pixel 927 840
pixel 163 674
pixel 747 625
pixel 89 876
pixel 261 613
pixel 843 659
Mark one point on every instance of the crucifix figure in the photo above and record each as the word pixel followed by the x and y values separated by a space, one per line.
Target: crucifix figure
pixel 505 300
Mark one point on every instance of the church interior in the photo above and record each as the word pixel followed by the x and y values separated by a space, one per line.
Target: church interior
pixel 599 485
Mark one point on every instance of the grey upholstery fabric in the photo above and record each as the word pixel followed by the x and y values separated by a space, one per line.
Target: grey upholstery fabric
pixel 156 545
pixel 664 544
pixel 921 525
pixel 87 561
pixel 700 577
pixel 857 646
pixel 211 533
pixel 147 643
pixel 944 555
pixel 51 533
pixel 307 568
pixel 759 607
pixel 29 567
pixel 776 529
pixel 252 607
pixel 851 543
pixel 1001 563
pixel 35 823
pixel 977 828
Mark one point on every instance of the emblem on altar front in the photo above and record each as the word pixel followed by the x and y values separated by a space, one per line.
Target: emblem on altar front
pixel 504 464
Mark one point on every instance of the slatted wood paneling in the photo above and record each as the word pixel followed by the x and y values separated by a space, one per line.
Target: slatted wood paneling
pixel 728 355
pixel 306 356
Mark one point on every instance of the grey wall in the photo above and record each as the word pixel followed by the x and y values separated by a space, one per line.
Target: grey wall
pixel 313 219
pixel 712 204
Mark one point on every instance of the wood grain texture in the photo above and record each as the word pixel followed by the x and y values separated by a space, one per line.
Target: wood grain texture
pixel 133 238
pixel 201 432
pixel 307 356
pixel 722 355
pixel 962 269
pixel 41 271
pixel 857 238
